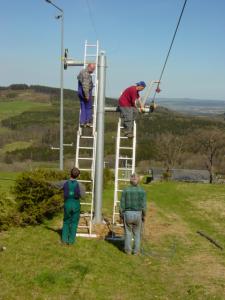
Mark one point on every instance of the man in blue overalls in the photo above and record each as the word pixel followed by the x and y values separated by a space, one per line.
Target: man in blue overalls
pixel 85 86
pixel 72 194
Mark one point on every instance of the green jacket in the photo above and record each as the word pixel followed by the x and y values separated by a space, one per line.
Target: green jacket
pixel 133 198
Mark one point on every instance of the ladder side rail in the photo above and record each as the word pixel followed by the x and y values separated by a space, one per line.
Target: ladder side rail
pixel 85 54
pixel 78 148
pixel 134 147
pixel 93 182
pixel 95 87
pixel 95 108
pixel 116 170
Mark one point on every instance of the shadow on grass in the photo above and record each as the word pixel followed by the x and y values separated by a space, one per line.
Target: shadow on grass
pixel 116 241
pixel 58 230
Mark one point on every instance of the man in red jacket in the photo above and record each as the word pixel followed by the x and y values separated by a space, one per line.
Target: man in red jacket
pixel 128 102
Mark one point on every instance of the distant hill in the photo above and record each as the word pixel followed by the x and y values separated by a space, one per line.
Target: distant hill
pixel 29 126
pixel 194 106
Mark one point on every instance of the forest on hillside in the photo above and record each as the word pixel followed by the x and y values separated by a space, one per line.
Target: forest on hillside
pixel 164 138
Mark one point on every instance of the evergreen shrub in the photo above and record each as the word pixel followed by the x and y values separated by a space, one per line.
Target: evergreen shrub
pixel 37 197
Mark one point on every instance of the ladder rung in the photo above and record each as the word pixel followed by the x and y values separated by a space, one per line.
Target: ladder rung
pixel 85 169
pixel 126 148
pixel 86 137
pixel 83 226
pixel 86 148
pixel 85 215
pixel 91 45
pixel 85 203
pixel 89 192
pixel 116 213
pixel 125 169
pixel 118 224
pixel 123 179
pixel 124 137
pixel 90 55
pixel 85 158
pixel 119 190
pixel 82 180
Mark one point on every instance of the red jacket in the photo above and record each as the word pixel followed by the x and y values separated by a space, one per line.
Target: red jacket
pixel 129 96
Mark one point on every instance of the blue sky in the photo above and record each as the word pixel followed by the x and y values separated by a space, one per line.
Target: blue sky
pixel 135 35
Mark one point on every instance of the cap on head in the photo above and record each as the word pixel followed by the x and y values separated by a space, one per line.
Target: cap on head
pixel 134 179
pixel 141 83
pixel 75 172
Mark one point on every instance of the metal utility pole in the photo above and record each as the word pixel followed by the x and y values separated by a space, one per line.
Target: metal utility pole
pixel 61 16
pixel 99 166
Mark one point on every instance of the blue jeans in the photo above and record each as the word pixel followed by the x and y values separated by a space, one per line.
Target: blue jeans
pixel 133 224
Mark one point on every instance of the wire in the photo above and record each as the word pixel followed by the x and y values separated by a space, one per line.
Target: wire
pixel 91 18
pixel 171 45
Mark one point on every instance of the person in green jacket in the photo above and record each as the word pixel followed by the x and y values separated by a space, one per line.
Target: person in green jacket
pixel 133 211
pixel 72 194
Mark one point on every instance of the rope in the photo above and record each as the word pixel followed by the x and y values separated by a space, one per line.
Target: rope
pixel 171 45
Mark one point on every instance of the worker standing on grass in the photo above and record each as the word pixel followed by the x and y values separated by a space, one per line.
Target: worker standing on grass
pixel 73 191
pixel 133 211
pixel 128 103
pixel 85 86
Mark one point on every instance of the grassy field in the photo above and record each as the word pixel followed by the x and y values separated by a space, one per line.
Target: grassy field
pixel 6 181
pixel 9 109
pixel 176 263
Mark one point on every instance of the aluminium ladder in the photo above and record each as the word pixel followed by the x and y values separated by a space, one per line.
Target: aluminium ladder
pixel 86 149
pixel 124 167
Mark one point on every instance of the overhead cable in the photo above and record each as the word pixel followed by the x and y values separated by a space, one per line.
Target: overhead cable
pixel 171 45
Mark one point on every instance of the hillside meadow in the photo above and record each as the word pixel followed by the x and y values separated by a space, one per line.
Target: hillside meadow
pixel 175 263
pixel 30 127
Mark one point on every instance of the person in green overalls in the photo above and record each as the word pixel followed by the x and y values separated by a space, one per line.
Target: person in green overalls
pixel 72 194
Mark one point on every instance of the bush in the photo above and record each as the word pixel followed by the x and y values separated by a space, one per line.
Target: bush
pixel 7 211
pixel 37 197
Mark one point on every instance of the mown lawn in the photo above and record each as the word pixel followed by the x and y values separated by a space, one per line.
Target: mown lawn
pixel 176 263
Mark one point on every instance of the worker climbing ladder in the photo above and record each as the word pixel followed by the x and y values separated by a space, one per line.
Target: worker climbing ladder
pixel 86 149
pixel 124 167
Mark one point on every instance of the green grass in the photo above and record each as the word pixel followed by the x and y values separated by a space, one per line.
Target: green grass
pixel 12 108
pixel 176 262
pixel 7 180
pixel 14 146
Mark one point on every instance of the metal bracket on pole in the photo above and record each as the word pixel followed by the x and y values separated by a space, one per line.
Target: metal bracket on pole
pixel 70 62
pixel 148 91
